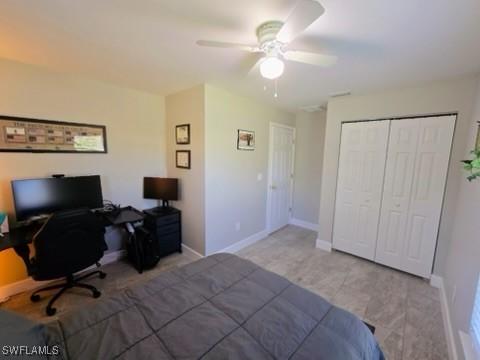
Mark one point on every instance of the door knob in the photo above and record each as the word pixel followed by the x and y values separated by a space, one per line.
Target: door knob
pixel 273 187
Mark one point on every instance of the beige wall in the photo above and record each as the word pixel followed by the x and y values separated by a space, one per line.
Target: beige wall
pixel 188 107
pixel 233 192
pixel 310 137
pixel 135 132
pixel 463 256
pixel 442 97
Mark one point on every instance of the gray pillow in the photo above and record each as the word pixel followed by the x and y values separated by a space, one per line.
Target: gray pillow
pixel 23 338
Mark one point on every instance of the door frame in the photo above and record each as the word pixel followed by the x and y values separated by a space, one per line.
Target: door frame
pixel 270 164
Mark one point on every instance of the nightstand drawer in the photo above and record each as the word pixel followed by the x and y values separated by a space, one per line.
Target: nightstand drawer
pixel 154 222
pixel 169 244
pixel 168 229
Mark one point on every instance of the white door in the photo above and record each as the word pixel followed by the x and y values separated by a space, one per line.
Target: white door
pixel 280 185
pixel 359 187
pixel 402 150
pixel 415 178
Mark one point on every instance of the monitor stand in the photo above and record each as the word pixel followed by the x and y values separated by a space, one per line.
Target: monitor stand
pixel 164 208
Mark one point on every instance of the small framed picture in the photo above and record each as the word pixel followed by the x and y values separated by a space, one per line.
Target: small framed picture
pixel 182 134
pixel 183 159
pixel 246 140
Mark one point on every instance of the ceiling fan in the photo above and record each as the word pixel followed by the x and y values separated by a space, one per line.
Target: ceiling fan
pixel 274 38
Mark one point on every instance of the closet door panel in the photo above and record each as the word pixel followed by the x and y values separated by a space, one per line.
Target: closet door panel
pixel 359 187
pixel 346 208
pixel 433 154
pixel 399 171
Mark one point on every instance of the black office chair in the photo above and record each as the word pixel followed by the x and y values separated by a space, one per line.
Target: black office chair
pixel 69 241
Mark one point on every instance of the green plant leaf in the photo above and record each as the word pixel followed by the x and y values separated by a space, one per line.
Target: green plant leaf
pixel 476 163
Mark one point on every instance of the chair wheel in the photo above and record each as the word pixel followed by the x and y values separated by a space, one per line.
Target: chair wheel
pixel 35 298
pixel 102 275
pixel 97 294
pixel 51 311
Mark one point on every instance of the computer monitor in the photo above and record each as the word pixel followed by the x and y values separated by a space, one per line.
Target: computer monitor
pixel 164 189
pixel 38 197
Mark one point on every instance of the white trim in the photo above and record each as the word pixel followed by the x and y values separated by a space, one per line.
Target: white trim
pixel 437 282
pixel 304 224
pixel 323 245
pixel 18 287
pixel 191 251
pixel 269 178
pixel 239 245
pixel 468 346
pixel 113 256
pixel 29 284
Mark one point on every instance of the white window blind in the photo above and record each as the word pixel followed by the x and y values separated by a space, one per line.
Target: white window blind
pixel 475 323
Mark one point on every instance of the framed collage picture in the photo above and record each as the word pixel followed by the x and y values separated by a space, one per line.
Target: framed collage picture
pixel 43 136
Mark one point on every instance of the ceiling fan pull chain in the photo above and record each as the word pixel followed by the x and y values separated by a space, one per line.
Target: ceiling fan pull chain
pixel 276 87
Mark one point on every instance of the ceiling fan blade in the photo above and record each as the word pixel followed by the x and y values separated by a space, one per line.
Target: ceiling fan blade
pixel 255 69
pixel 310 58
pixel 302 16
pixel 250 63
pixel 227 45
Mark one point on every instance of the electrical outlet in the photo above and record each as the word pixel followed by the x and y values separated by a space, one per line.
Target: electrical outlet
pixel 237 226
pixel 454 294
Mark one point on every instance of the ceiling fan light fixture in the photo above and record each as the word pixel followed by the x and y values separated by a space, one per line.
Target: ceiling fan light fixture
pixel 272 67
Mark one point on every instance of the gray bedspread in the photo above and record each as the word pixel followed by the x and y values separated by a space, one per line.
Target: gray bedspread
pixel 219 307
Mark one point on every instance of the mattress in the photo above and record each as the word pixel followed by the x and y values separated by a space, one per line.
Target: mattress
pixel 219 307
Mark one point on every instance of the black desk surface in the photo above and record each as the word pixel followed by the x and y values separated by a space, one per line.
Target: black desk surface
pixel 123 216
pixel 22 236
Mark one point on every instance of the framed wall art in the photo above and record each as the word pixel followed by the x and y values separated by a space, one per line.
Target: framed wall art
pixel 183 159
pixel 182 134
pixel 246 140
pixel 19 134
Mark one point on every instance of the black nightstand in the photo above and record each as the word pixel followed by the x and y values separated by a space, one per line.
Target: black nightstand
pixel 166 225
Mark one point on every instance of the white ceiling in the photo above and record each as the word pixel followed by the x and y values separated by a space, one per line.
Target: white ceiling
pixel 150 44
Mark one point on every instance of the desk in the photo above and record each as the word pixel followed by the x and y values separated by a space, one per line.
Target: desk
pixel 19 238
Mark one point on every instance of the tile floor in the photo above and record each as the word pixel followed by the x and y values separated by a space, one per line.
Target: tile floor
pixel 404 309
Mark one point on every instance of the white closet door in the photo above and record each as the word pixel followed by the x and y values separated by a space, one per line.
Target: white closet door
pixel 359 187
pixel 417 165
pixel 402 150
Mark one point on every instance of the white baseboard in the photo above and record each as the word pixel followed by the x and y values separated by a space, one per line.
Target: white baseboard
pixel 113 256
pixel 323 245
pixel 29 284
pixel 304 224
pixel 437 282
pixel 191 251
pixel 239 245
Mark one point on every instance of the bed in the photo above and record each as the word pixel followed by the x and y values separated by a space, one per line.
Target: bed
pixel 219 307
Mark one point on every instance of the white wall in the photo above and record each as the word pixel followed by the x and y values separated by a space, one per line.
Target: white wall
pixel 188 107
pixel 135 124
pixel 442 97
pixel 463 256
pixel 310 137
pixel 233 193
